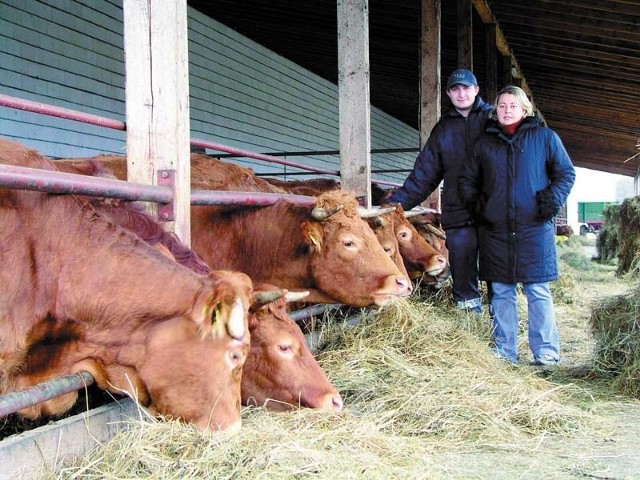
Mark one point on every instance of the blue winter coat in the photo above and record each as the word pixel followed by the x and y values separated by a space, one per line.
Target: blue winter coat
pixel 441 158
pixel 499 183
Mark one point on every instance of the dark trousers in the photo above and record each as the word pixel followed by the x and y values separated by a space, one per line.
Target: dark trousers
pixel 462 244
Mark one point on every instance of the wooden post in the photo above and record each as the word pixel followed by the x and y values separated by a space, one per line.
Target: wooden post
pixel 430 83
pixel 491 63
pixel 354 97
pixel 157 99
pixel 465 34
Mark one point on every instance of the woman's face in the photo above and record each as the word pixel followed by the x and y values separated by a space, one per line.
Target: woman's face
pixel 509 109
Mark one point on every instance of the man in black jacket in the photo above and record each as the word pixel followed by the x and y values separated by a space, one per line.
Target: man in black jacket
pixel 441 158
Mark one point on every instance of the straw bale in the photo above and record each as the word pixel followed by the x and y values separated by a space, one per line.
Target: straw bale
pixel 629 257
pixel 615 324
pixel 608 240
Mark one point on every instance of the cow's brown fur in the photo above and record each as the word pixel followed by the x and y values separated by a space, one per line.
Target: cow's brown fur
pixel 280 371
pixel 77 292
pixel 337 260
pixel 413 255
pixel 425 225
pixel 420 258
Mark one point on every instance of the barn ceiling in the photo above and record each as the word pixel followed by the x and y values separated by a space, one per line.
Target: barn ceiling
pixel 579 60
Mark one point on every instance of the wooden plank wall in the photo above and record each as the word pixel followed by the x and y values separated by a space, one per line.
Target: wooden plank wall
pixel 70 54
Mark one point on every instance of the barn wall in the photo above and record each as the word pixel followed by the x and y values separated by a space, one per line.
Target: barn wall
pixel 70 54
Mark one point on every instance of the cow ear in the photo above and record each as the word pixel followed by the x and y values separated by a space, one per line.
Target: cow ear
pixel 312 233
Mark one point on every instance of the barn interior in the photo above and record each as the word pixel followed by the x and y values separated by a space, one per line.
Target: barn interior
pixel 579 61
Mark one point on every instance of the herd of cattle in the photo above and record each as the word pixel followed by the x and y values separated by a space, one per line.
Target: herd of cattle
pixel 96 284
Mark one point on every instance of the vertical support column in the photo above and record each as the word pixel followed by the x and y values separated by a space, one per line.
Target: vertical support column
pixel 465 34
pixel 491 63
pixel 157 99
pixel 354 97
pixel 430 78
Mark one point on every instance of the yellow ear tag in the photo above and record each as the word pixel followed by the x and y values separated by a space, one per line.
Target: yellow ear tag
pixel 314 240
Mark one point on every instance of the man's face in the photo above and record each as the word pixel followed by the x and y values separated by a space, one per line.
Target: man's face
pixel 463 96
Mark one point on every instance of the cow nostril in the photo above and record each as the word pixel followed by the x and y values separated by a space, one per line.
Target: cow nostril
pixel 337 403
pixel 403 284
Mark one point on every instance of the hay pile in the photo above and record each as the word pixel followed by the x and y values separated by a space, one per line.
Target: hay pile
pixel 416 383
pixel 608 240
pixel 571 253
pixel 615 324
pixel 629 257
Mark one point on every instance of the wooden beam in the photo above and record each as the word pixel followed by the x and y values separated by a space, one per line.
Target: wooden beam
pixel 623 29
pixel 354 97
pixel 430 78
pixel 465 34
pixel 485 13
pixel 157 100
pixel 490 62
pixel 430 68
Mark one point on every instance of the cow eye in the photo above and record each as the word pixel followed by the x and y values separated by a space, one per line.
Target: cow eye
pixel 285 348
pixel 404 234
pixel 348 243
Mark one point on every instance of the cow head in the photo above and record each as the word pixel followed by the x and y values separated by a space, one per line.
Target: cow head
pixel 427 225
pixel 188 367
pixel 347 261
pixel 419 256
pixel 384 228
pixel 281 373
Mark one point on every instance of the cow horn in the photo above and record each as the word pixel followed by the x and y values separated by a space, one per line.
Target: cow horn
pixel 374 212
pixel 418 211
pixel 296 296
pixel 320 213
pixel 438 233
pixel 263 298
pixel 412 213
pixel 235 325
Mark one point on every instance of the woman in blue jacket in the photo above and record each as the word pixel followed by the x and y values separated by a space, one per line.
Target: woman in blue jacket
pixel 513 183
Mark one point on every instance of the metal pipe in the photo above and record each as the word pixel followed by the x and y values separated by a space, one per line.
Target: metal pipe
pixel 296 174
pixel 258 199
pixel 60 182
pixel 314 339
pixel 312 310
pixel 16 401
pixel 307 153
pixel 43 108
pixel 259 156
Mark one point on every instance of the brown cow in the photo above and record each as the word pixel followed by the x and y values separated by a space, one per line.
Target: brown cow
pixel 280 371
pixel 410 251
pixel 420 258
pixel 327 250
pixel 78 292
pixel 428 227
pixel 382 225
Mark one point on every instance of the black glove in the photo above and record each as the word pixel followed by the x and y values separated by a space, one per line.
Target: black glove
pixel 547 208
pixel 476 209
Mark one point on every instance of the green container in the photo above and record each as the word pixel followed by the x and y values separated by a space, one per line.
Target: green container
pixel 592 211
